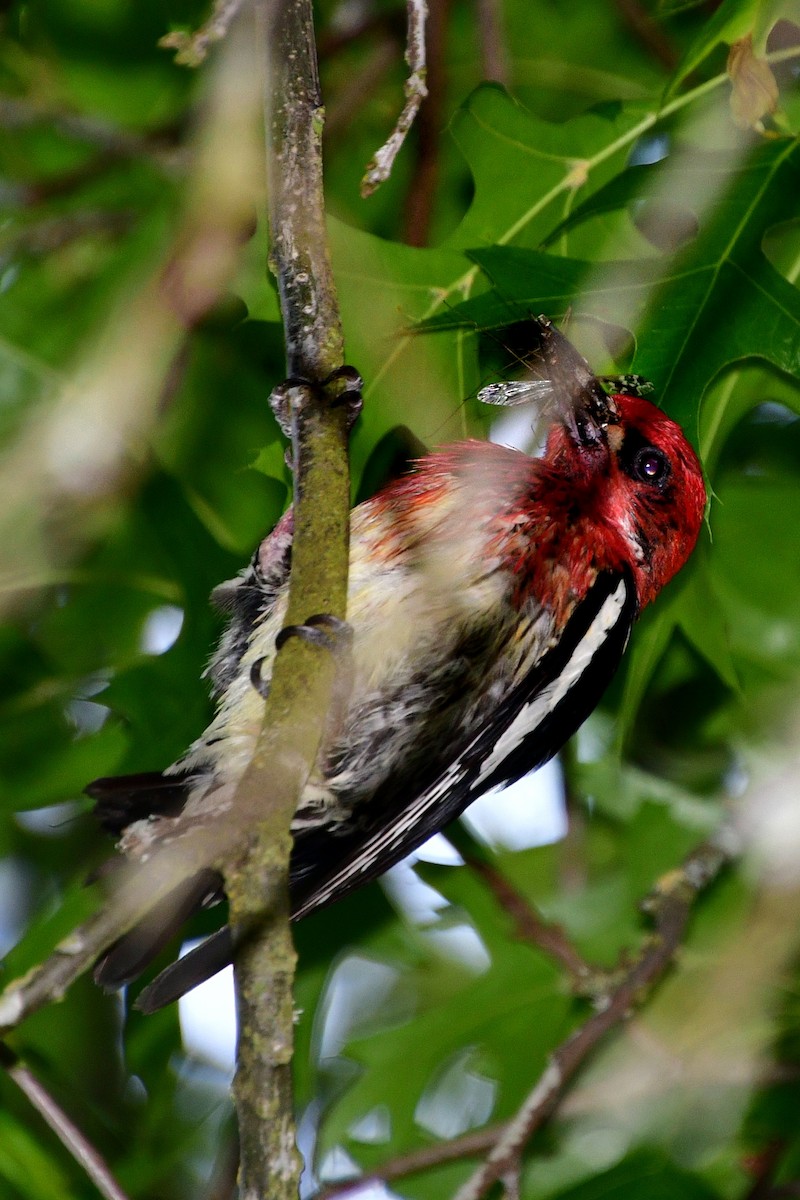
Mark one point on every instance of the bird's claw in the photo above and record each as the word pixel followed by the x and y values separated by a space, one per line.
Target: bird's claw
pixel 321 629
pixel 257 679
pixel 348 395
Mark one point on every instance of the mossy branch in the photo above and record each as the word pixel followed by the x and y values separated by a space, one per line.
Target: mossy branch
pixel 303 677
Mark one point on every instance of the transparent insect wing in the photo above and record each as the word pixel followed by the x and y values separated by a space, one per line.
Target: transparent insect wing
pixel 554 371
pixel 509 393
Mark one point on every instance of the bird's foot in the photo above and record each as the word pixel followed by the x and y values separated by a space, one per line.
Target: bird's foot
pixel 347 395
pixel 321 629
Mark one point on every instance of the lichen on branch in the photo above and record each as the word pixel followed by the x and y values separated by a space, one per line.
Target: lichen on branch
pixel 303 678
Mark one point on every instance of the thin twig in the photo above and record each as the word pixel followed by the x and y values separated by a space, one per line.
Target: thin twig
pixel 51 234
pixel 572 859
pixel 65 1130
pixel 21 113
pixel 469 1145
pixel 649 32
pixel 380 166
pixel 529 926
pixel 494 57
pixel 355 94
pixel 418 212
pixel 356 25
pixel 192 48
pixel 670 906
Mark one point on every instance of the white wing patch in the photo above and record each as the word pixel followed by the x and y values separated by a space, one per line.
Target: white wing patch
pixel 526 720
pixel 533 713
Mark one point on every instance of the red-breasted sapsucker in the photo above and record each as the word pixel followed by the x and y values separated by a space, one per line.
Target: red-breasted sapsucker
pixel 491 596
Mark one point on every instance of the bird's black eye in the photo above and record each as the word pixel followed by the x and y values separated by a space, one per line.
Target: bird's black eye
pixel 651 465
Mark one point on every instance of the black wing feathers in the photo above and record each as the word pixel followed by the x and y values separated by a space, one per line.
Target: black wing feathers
pixel 185 973
pixel 127 958
pixel 122 799
pixel 579 700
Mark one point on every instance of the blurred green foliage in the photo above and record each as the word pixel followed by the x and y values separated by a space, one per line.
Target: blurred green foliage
pixel 608 182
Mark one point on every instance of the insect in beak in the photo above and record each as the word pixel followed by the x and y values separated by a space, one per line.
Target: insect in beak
pixel 559 377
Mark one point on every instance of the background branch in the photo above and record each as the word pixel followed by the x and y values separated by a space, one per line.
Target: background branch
pixel 529 926
pixel 65 1130
pixel 491 35
pixel 379 168
pixel 112 141
pixel 468 1145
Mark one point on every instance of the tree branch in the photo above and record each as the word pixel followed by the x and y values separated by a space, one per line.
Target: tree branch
pixel 192 48
pixel 469 1145
pixel 380 166
pixel 65 1130
pixel 303 678
pixel 530 927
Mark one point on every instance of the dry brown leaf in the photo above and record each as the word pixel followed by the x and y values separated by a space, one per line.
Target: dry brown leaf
pixel 754 88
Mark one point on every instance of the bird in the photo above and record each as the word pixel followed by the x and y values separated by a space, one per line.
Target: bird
pixel 491 597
